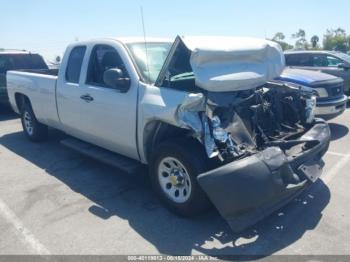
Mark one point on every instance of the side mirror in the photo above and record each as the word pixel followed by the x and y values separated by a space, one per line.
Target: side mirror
pixel 114 78
pixel 344 66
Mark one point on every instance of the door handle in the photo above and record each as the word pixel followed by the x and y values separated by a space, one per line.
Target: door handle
pixel 87 98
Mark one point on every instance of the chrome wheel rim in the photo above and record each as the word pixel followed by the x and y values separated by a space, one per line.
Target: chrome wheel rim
pixel 28 123
pixel 174 180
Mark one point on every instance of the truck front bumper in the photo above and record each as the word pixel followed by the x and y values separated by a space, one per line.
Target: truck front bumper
pixel 247 190
pixel 331 108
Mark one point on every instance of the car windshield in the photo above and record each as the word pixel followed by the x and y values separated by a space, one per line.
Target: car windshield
pixel 345 57
pixel 156 55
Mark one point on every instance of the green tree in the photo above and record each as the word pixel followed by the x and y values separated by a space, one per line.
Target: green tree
pixel 314 41
pixel 300 34
pixel 336 39
pixel 279 38
pixel 301 42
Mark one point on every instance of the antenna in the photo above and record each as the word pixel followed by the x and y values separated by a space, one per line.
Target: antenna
pixel 144 37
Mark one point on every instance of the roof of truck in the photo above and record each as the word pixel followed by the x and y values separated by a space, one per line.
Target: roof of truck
pixel 125 40
pixel 129 40
pixel 311 52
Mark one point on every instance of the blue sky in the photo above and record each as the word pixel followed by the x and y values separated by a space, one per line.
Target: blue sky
pixel 47 26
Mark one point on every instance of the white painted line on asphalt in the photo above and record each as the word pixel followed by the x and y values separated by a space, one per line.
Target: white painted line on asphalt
pixel 24 234
pixel 336 153
pixel 327 177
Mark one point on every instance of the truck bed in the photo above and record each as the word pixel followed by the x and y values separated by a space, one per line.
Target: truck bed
pixel 40 87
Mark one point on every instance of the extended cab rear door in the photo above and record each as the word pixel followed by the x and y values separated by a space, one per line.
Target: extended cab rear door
pixel 92 111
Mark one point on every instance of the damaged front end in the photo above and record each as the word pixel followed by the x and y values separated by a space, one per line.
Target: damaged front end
pixel 239 124
pixel 264 141
pixel 267 145
pixel 272 149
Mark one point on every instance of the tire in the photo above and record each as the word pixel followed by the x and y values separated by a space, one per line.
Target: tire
pixel 33 130
pixel 192 161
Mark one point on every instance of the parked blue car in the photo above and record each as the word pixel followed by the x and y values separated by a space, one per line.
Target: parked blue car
pixel 331 101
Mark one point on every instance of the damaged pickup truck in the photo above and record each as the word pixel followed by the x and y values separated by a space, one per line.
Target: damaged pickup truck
pixel 202 112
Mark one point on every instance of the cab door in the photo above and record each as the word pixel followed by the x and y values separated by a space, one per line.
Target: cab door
pixel 97 113
pixel 68 92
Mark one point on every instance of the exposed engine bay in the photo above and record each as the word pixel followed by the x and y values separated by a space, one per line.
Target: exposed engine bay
pixel 238 124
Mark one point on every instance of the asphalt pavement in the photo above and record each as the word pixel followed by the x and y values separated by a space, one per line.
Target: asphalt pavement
pixel 55 201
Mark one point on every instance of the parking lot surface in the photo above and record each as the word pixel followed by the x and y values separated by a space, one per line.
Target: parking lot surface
pixel 55 201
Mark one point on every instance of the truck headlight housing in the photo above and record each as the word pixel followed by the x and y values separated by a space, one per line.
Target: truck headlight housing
pixel 322 92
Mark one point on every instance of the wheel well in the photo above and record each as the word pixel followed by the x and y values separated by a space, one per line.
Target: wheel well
pixel 21 99
pixel 157 132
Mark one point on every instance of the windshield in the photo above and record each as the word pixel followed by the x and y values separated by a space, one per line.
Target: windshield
pixel 156 53
pixel 345 57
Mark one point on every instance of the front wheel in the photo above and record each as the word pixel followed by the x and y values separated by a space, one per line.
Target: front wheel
pixel 174 170
pixel 34 130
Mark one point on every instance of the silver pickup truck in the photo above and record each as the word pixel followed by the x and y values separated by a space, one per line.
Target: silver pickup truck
pixel 201 112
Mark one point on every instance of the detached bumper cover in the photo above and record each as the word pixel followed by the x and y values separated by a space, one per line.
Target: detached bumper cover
pixel 247 190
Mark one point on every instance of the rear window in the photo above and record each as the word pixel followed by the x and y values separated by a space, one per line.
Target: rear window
pixel 21 61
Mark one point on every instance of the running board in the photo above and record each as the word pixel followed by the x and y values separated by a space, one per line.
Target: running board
pixel 121 162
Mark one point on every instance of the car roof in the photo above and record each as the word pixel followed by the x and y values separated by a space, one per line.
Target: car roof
pixel 130 40
pixel 125 40
pixel 311 52
pixel 14 52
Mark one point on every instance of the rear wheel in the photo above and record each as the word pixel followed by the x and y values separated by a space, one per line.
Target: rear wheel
pixel 34 130
pixel 174 170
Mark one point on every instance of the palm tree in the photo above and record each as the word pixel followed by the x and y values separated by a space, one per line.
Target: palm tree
pixel 314 40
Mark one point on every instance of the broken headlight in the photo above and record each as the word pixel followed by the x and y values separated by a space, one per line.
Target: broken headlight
pixel 219 133
pixel 227 147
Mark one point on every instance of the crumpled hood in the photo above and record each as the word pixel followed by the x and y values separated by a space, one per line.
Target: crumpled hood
pixel 306 77
pixel 224 64
pixel 231 64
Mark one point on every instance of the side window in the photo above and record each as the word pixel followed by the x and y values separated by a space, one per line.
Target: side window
pixel 319 60
pixel 298 60
pixel 75 62
pixel 333 61
pixel 103 58
pixel 323 60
